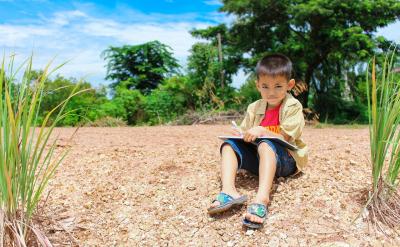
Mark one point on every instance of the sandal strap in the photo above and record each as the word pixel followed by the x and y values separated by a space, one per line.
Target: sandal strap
pixel 223 198
pixel 257 209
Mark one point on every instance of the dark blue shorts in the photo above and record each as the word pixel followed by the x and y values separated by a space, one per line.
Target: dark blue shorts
pixel 248 158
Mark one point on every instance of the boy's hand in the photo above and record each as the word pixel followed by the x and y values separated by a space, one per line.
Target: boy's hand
pixel 253 133
pixel 236 132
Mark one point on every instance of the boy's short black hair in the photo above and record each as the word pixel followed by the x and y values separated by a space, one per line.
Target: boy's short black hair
pixel 274 65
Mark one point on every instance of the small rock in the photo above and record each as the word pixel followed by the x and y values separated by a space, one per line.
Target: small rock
pixel 249 232
pixel 279 188
pixel 230 244
pixel 194 231
pixel 353 163
pixel 365 213
pixel 191 188
pixel 225 238
pixel 282 236
pixel 273 242
pixel 221 232
pixel 336 244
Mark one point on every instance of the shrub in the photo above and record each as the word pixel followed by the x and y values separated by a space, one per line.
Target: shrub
pixel 384 119
pixel 248 92
pixel 107 122
pixel 162 106
pixel 127 104
pixel 27 159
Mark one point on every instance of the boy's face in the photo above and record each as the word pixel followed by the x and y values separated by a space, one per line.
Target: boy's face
pixel 273 88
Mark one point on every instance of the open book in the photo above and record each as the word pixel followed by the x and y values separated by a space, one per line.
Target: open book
pixel 273 139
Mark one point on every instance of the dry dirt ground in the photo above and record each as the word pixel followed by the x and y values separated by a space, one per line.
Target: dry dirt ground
pixel 151 186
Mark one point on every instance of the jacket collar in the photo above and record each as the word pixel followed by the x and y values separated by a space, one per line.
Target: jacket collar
pixel 287 102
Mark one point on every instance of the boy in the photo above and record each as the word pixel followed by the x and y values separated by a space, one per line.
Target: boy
pixel 276 114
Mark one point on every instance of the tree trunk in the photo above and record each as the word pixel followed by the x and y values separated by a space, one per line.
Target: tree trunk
pixel 220 60
pixel 307 79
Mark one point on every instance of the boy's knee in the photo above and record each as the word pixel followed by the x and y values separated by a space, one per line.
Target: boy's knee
pixel 264 148
pixel 227 148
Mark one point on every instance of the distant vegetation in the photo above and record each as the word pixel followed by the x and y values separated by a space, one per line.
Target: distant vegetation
pixel 329 41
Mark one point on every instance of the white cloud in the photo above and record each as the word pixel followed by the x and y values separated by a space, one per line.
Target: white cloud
pixel 239 78
pixel 16 36
pixel 79 37
pixel 134 16
pixel 65 17
pixel 176 35
pixel 391 32
pixel 213 2
pixel 222 18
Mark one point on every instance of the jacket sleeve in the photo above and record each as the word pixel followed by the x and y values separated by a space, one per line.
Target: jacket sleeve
pixel 248 119
pixel 293 121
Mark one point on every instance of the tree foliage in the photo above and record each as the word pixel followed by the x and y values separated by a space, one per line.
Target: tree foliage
pixel 128 104
pixel 329 43
pixel 204 75
pixel 140 67
pixel 324 38
pixel 82 108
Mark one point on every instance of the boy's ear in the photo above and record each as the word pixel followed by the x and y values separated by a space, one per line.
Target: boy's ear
pixel 291 84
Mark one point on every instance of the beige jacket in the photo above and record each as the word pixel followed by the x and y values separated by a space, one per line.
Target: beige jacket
pixel 291 121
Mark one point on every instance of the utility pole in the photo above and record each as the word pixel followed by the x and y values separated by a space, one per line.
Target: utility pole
pixel 222 74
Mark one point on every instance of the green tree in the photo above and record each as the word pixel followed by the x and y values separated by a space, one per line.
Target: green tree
pixel 204 74
pixel 169 100
pixel 248 92
pixel 203 63
pixel 140 67
pixel 324 38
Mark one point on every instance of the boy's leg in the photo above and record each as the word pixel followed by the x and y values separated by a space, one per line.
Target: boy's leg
pixel 229 167
pixel 267 168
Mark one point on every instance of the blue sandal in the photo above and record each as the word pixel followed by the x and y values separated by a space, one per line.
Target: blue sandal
pixel 259 210
pixel 226 202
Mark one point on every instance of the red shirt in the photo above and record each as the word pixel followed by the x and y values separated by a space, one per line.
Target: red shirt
pixel 271 120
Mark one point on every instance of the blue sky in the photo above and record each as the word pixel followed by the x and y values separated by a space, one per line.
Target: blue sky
pixel 80 30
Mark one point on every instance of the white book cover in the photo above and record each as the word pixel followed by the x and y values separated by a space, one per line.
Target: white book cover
pixel 273 139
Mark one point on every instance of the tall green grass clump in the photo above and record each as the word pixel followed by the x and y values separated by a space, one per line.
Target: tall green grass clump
pixel 27 156
pixel 384 119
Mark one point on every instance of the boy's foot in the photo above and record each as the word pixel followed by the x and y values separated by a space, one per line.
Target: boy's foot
pixel 255 215
pixel 216 202
pixel 223 202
